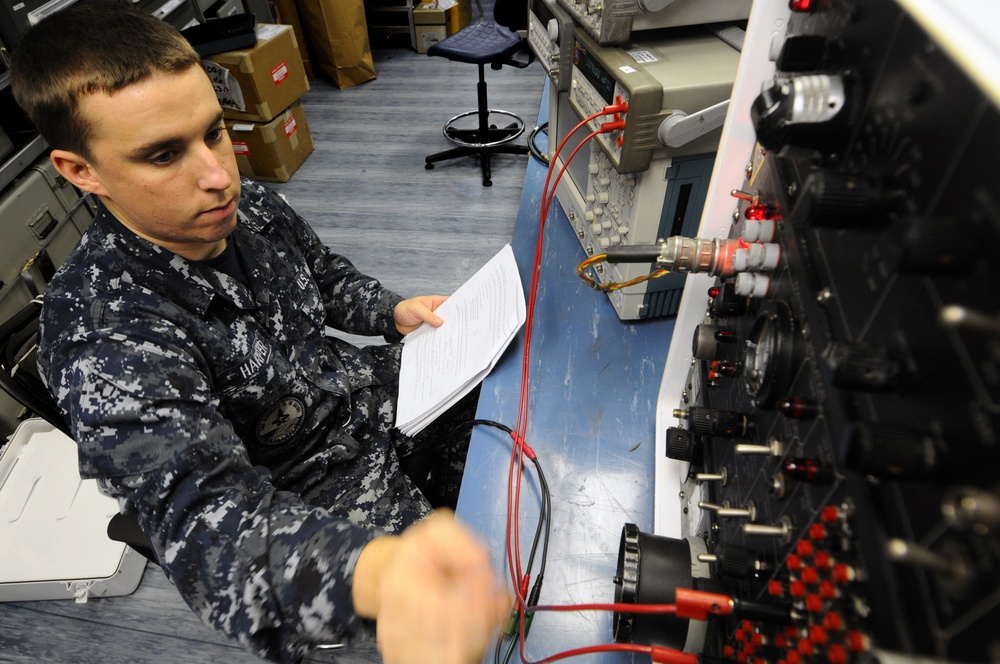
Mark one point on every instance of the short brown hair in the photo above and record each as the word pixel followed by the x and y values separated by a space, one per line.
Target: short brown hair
pixel 89 48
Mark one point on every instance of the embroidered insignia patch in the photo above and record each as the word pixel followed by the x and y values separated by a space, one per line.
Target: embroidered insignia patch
pixel 282 421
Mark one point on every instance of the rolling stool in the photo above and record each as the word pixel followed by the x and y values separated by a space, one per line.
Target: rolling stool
pixel 484 42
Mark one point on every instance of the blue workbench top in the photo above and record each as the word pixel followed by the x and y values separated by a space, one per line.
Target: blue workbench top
pixel 594 381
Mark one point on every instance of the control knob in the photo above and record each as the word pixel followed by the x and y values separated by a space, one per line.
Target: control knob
pixel 842 200
pixel 810 111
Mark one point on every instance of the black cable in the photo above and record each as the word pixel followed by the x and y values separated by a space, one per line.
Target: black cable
pixel 544 518
pixel 533 148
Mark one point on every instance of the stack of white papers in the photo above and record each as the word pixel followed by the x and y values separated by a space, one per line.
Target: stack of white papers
pixel 441 365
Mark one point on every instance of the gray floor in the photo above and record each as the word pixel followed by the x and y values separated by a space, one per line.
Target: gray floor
pixel 367 193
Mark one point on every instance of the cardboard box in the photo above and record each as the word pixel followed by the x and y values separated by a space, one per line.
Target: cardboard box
pixel 453 14
pixel 260 82
pixel 272 150
pixel 287 13
pixel 428 35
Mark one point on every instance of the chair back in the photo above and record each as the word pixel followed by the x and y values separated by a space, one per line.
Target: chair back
pixel 18 375
pixel 511 14
pixel 19 379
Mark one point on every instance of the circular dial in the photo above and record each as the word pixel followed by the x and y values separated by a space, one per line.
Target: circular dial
pixel 768 359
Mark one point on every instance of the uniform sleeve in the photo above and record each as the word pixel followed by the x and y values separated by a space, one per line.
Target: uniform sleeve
pixel 354 302
pixel 252 561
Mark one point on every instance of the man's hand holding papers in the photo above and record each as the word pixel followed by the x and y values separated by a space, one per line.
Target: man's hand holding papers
pixel 441 365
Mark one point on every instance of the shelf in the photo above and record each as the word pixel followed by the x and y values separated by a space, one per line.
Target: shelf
pixel 391 17
pixel 24 157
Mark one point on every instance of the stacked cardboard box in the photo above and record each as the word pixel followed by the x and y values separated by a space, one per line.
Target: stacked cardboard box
pixel 259 89
pixel 433 20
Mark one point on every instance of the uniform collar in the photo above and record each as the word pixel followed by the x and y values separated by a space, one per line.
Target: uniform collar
pixel 186 282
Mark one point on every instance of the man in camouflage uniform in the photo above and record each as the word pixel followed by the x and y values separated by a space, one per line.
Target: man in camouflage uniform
pixel 184 340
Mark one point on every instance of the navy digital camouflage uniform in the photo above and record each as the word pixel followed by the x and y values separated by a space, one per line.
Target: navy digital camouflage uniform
pixel 258 451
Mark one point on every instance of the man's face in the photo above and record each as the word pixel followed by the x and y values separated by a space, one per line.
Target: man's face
pixel 163 162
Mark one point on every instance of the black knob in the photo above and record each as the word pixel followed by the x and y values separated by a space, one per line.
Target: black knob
pixel 809 111
pixel 650 569
pixel 888 450
pixel 859 366
pixel 714 422
pixel 801 53
pixel 942 246
pixel 843 200
pixel 682 445
pixel 704 345
pixel 737 561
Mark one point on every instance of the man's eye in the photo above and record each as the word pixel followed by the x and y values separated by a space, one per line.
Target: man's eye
pixel 215 134
pixel 162 158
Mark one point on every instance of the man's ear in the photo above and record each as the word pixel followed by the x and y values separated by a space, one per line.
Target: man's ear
pixel 77 170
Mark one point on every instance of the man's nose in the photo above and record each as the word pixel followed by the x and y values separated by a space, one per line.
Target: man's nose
pixel 212 172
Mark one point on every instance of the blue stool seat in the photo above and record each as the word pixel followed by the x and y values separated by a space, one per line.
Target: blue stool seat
pixel 484 42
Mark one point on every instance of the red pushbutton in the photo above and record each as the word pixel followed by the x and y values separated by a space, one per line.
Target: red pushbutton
pixel 857 641
pixel 830 514
pixel 774 589
pixel 796 589
pixel 805 647
pixel 827 590
pixel 814 603
pixel 793 562
pixel 809 575
pixel 817 634
pixel 836 654
pixel 817 531
pixel 804 548
pixel 833 621
pixel 822 559
pixel 843 573
pixel 792 657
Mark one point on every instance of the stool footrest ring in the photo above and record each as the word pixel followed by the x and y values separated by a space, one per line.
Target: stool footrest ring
pixel 471 137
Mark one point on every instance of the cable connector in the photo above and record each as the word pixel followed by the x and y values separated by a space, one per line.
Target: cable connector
pixel 634 253
pixel 698 604
pixel 512 625
pixel 617 125
pixel 529 615
pixel 618 107
pixel 513 622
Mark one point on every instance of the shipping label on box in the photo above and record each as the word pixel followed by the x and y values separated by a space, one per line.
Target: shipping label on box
pixel 428 35
pixel 272 150
pixel 260 82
